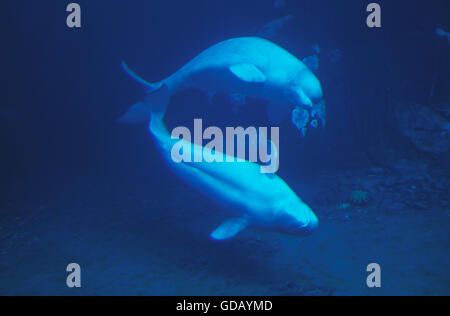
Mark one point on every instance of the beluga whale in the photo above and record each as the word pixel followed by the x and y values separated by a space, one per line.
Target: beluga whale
pixel 242 67
pixel 252 198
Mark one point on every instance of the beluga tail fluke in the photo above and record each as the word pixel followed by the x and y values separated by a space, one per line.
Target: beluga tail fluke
pixel 156 97
pixel 243 67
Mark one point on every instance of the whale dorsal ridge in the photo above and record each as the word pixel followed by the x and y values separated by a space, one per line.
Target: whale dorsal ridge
pixel 248 73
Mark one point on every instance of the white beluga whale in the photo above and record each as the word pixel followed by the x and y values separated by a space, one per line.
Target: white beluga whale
pixel 246 66
pixel 251 197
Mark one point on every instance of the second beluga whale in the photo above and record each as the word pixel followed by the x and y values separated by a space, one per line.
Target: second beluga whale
pixel 251 197
pixel 246 66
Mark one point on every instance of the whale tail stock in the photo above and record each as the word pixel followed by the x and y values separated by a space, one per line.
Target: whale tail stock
pixel 155 102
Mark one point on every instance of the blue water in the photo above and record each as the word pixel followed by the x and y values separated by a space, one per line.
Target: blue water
pixel 78 188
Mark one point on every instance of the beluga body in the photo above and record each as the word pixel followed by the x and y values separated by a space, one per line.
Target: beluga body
pixel 251 197
pixel 243 67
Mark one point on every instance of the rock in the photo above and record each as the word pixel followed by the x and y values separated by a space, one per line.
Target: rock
pixel 426 129
pixel 396 206
pixel 443 109
pixel 377 171
pixel 389 182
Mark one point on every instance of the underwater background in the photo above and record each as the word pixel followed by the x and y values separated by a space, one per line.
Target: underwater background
pixel 78 187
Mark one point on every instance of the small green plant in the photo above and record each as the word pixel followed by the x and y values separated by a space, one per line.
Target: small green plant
pixel 359 197
pixel 343 206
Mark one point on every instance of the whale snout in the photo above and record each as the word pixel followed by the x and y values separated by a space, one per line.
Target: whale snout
pixel 313 223
pixel 310 223
pixel 296 218
pixel 302 99
pixel 304 225
pixel 307 89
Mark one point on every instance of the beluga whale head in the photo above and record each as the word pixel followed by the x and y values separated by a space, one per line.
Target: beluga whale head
pixel 294 217
pixel 305 90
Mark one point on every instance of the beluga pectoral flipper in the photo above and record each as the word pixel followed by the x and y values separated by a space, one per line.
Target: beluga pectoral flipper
pixel 230 228
pixel 247 66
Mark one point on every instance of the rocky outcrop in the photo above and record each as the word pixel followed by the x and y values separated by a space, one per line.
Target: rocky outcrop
pixel 428 130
